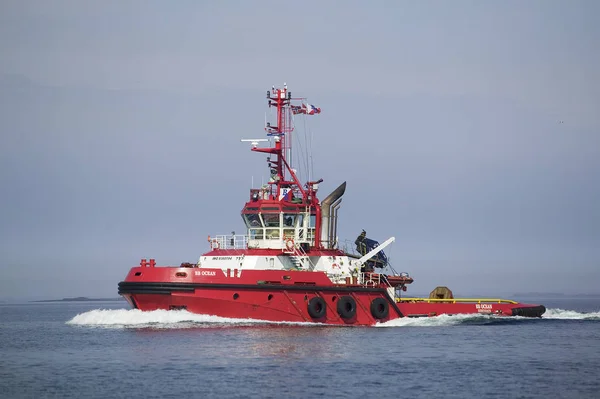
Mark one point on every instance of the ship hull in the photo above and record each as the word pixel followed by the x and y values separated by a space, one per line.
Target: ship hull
pixel 276 304
pixel 285 296
pixel 489 307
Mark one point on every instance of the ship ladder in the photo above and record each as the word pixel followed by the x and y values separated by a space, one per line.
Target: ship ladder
pixel 296 262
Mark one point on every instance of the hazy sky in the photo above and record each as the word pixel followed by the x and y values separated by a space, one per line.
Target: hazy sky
pixel 120 124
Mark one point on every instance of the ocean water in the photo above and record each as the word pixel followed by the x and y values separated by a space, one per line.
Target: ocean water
pixel 106 350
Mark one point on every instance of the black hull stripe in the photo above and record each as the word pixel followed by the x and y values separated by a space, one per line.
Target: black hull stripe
pixel 125 287
pixel 532 311
pixel 168 288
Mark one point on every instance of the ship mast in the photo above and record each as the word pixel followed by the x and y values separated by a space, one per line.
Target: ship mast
pixel 284 185
pixel 283 176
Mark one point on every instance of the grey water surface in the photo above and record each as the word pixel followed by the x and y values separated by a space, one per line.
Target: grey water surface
pixel 106 350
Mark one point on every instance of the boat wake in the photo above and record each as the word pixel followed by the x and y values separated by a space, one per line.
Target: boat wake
pixel 163 319
pixel 562 314
pixel 481 319
pixel 178 319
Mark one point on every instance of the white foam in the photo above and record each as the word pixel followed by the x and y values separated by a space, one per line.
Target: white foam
pixel 164 319
pixel 124 318
pixel 437 321
pixel 445 320
pixel 562 314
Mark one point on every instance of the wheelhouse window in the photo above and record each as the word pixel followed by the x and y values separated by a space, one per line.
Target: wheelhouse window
pixel 272 234
pixel 252 220
pixel 271 219
pixel 289 219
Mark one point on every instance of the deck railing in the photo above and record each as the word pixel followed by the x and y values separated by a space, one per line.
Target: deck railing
pixel 232 241
pixel 456 300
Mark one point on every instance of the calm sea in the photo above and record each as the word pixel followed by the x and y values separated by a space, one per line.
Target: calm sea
pixel 105 350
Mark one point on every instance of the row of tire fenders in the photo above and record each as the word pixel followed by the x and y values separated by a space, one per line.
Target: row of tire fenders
pixel 346 308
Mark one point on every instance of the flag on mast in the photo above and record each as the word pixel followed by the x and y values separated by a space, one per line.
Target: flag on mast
pixel 307 109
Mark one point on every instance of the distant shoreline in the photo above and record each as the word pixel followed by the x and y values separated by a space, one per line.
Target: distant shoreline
pixel 81 299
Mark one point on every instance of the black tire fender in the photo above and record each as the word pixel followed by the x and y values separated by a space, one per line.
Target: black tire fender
pixel 380 308
pixel 346 307
pixel 317 308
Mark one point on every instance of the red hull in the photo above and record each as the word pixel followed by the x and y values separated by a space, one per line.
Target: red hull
pixel 423 309
pixel 284 296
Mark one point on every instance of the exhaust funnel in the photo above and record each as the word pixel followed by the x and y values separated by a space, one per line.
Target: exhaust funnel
pixel 326 205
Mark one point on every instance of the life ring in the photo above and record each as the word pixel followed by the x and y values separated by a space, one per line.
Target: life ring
pixel 346 307
pixel 289 244
pixel 317 307
pixel 335 266
pixel 380 308
pixel 215 245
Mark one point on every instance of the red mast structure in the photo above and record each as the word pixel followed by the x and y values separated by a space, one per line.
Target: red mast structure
pixel 284 183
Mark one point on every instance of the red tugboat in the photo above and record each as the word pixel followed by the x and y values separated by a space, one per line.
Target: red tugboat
pixel 289 267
